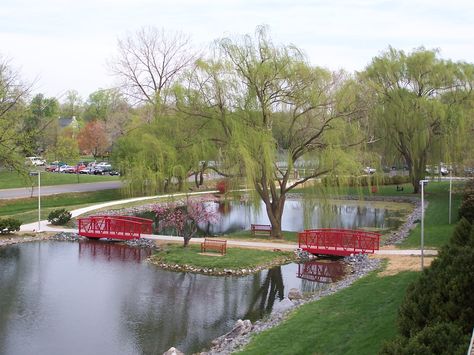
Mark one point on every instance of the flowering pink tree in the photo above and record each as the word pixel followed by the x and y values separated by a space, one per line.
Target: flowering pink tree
pixel 185 218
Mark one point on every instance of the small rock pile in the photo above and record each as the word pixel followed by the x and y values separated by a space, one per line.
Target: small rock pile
pixel 67 237
pixel 303 256
pixel 142 243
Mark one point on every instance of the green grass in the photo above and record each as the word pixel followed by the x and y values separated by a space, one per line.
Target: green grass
pixel 437 228
pixel 356 320
pixel 10 180
pixel 26 209
pixel 235 258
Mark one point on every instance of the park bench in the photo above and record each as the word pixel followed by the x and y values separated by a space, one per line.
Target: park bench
pixel 214 244
pixel 261 229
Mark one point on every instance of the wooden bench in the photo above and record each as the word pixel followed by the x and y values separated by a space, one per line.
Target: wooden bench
pixel 261 229
pixel 214 244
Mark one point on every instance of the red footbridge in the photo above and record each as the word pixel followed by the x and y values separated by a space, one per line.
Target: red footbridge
pixel 339 242
pixel 114 227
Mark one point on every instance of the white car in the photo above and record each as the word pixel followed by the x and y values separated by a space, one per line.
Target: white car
pixel 369 170
pixel 36 161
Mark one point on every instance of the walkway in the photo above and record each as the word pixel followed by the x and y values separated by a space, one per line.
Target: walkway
pixel 45 227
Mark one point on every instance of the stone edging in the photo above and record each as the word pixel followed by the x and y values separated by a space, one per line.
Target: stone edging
pixel 14 239
pixel 220 272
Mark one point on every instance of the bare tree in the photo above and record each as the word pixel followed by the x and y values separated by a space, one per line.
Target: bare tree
pixel 149 62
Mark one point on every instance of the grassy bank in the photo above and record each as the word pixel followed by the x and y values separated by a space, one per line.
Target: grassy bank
pixel 26 209
pixel 10 180
pixel 356 320
pixel 236 258
pixel 437 227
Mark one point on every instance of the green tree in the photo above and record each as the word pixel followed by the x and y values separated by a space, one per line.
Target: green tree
pixel 270 111
pixel 13 97
pixel 66 149
pixel 417 99
pixel 42 113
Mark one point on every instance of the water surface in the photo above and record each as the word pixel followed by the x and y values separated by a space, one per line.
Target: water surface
pixel 102 298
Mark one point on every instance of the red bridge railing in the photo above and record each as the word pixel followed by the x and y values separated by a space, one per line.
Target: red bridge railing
pixel 341 242
pixel 114 227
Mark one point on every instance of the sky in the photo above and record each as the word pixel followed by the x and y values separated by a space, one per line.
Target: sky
pixel 65 45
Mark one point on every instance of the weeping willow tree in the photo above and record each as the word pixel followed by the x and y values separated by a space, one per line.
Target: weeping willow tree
pixel 271 113
pixel 159 156
pixel 416 111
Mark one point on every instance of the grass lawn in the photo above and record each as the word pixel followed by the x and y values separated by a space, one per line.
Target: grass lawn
pixel 236 258
pixel 26 209
pixel 356 320
pixel 437 228
pixel 10 180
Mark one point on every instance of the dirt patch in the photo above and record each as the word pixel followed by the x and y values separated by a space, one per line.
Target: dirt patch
pixel 399 263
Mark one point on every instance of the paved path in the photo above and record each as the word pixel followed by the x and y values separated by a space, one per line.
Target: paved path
pixel 173 239
pixel 24 192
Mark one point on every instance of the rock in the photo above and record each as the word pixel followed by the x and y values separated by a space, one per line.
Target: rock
pixel 294 294
pixel 282 306
pixel 173 351
pixel 240 328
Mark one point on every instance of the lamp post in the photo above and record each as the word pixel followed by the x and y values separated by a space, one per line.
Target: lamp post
pixel 38 173
pixel 422 184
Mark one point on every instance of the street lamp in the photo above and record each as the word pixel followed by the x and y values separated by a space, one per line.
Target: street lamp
pixel 38 173
pixel 422 184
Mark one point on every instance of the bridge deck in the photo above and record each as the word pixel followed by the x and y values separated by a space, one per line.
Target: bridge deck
pixel 114 227
pixel 340 242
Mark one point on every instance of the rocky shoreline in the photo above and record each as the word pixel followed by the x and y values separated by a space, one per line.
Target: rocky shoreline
pixel 243 330
pixel 16 239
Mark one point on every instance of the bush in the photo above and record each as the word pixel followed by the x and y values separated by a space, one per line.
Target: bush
pixel 9 225
pixel 466 209
pixel 59 217
pixel 440 338
pixel 461 234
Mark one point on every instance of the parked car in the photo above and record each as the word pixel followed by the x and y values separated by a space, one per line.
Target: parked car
pixel 87 170
pixel 66 169
pixel 54 166
pixel 102 169
pixel 369 170
pixel 35 161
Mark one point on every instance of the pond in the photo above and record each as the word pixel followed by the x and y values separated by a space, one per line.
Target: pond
pixel 235 216
pixel 101 297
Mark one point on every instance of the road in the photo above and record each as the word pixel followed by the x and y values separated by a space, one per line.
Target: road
pixel 59 189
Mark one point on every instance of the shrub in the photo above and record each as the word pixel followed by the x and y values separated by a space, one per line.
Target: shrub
pixel 9 225
pixel 59 217
pixel 461 233
pixel 466 209
pixel 441 338
pixel 443 293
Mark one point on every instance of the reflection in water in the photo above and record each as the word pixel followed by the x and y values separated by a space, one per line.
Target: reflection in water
pixel 263 300
pixel 97 297
pixel 321 271
pixel 301 214
pixel 107 250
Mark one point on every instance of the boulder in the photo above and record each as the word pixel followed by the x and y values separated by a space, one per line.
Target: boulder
pixel 294 294
pixel 283 305
pixel 241 327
